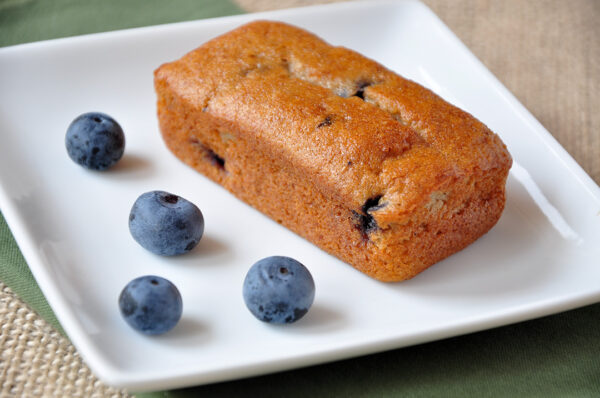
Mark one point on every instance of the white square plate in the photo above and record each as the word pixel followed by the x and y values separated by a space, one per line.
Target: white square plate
pixel 71 224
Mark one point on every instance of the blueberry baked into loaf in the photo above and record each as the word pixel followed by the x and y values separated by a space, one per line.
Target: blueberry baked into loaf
pixel 371 167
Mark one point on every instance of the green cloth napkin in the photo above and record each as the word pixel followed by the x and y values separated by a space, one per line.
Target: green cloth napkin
pixel 556 356
pixel 23 21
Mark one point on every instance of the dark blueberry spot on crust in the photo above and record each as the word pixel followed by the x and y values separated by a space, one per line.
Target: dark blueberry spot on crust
pixel 365 222
pixel 372 204
pixel 349 163
pixel 360 92
pixel 215 159
pixel 327 122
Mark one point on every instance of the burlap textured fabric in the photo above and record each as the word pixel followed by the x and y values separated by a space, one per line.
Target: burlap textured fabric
pixel 37 361
pixel 547 53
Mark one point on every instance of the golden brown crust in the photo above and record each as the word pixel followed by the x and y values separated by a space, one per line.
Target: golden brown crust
pixel 369 166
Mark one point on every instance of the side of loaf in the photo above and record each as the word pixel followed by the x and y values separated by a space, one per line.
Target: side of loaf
pixel 371 167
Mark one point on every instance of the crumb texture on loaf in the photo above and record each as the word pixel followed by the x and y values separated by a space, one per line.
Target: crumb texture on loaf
pixel 373 168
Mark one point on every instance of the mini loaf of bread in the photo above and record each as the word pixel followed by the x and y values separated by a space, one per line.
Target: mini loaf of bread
pixel 369 166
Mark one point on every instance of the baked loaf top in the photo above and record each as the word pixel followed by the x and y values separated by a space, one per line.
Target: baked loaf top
pixel 362 135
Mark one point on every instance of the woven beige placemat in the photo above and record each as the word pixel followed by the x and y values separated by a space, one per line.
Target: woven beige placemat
pixel 37 361
pixel 547 52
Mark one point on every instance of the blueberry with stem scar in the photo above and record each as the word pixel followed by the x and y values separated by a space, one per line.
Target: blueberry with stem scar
pixel 278 289
pixel 151 304
pixel 165 224
pixel 95 141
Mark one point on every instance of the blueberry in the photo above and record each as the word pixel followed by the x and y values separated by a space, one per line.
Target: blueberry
pixel 165 224
pixel 151 304
pixel 278 289
pixel 95 141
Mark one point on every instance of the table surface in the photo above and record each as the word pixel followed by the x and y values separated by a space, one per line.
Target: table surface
pixel 547 53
